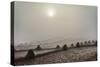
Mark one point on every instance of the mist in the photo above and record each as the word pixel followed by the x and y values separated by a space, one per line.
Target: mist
pixel 43 21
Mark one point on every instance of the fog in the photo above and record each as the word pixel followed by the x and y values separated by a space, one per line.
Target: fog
pixel 41 21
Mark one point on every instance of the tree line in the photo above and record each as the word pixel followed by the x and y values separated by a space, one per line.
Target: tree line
pixel 31 54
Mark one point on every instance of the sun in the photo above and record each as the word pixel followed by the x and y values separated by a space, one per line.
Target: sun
pixel 50 12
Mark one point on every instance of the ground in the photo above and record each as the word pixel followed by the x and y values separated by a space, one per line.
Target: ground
pixel 71 55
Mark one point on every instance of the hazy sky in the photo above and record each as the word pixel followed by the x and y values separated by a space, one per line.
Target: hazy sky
pixel 38 21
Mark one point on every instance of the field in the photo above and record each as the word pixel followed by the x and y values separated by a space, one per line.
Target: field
pixel 77 54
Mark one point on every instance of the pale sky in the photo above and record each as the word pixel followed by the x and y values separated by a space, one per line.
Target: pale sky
pixel 40 21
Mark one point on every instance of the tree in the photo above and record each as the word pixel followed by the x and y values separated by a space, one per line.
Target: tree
pixel 38 47
pixel 72 45
pixel 95 43
pixel 30 54
pixel 81 44
pixel 89 42
pixel 77 44
pixel 86 43
pixel 64 47
pixel 57 46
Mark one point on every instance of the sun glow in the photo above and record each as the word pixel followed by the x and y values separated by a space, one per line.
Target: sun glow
pixel 50 12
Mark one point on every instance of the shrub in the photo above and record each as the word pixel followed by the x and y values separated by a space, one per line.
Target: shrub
pixel 89 43
pixel 86 43
pixel 57 46
pixel 30 54
pixel 64 47
pixel 81 44
pixel 77 44
pixel 72 45
pixel 38 47
pixel 95 43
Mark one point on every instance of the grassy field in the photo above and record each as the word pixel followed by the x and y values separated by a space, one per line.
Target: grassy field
pixel 71 55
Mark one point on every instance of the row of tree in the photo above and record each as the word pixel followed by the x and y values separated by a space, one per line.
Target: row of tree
pixel 78 44
pixel 31 54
